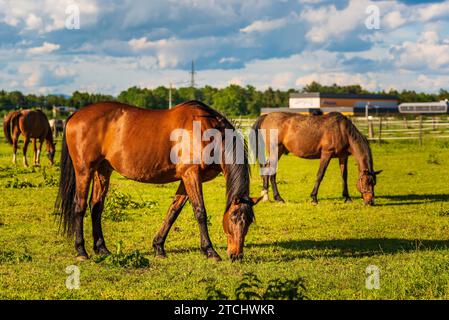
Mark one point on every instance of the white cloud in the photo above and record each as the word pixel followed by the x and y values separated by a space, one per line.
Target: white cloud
pixel 432 11
pixel 328 22
pixel 33 22
pixel 46 48
pixel 394 20
pixel 429 52
pixel 264 25
pixel 148 43
pixel 172 52
pixel 229 60
pixel 38 76
pixel 45 15
pixel 340 78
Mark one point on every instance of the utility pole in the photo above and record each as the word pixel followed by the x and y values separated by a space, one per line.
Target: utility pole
pixel 192 75
pixel 170 102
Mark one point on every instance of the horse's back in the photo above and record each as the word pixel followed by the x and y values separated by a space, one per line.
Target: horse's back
pixel 34 124
pixel 309 136
pixel 136 142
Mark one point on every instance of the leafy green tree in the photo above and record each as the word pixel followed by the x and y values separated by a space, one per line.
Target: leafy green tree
pixel 231 100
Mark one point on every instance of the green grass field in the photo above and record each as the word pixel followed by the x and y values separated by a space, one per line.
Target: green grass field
pixel 406 235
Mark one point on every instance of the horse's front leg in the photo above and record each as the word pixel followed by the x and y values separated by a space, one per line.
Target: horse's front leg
pixel 344 176
pixel 194 191
pixel 276 194
pixel 39 150
pixel 173 212
pixel 324 162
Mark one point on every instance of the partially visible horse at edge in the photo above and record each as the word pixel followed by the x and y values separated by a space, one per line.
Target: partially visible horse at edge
pixel 136 143
pixel 33 125
pixel 319 137
pixel 57 127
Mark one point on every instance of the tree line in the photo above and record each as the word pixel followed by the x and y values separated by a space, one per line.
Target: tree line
pixel 233 100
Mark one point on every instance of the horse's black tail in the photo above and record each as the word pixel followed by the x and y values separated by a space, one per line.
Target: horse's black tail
pixel 9 120
pixel 65 201
pixel 255 142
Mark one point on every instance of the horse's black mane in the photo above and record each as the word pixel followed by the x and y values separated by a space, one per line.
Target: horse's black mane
pixel 237 175
pixel 356 135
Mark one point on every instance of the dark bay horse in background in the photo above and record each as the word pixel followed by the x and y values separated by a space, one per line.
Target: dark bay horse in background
pixel 137 144
pixel 320 137
pixel 33 125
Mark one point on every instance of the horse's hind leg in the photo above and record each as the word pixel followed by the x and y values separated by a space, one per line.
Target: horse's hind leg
pixel 25 147
pixel 265 187
pixel 344 176
pixel 99 190
pixel 276 195
pixel 173 212
pixel 82 192
pixel 194 191
pixel 15 143
pixel 14 150
pixel 35 152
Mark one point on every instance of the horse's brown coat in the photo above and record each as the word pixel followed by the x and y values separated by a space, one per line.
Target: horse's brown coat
pixel 136 143
pixel 33 125
pixel 321 137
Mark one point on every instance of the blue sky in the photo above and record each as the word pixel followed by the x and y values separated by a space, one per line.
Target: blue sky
pixel 282 44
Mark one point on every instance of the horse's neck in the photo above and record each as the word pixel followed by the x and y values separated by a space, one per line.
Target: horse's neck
pixel 49 137
pixel 361 154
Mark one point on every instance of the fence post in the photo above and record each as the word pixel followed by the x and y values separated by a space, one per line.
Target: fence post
pixel 370 128
pixel 380 130
pixel 420 130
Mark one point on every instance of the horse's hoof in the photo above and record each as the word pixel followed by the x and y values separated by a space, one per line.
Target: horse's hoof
pixel 348 200
pixel 216 258
pixel 102 251
pixel 314 202
pixel 213 256
pixel 161 256
pixel 82 258
pixel 264 194
pixel 279 200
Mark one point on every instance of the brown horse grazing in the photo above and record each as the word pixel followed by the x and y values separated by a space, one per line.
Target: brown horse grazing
pixel 137 144
pixel 32 124
pixel 320 137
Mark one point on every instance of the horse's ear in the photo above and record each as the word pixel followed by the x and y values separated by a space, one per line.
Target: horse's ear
pixel 256 200
pixel 377 172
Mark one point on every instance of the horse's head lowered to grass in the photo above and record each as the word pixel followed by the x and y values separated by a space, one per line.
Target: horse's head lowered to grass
pixel 236 222
pixel 365 185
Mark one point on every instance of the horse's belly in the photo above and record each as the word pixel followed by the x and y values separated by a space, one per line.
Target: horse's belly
pixel 302 150
pixel 144 170
pixel 149 176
